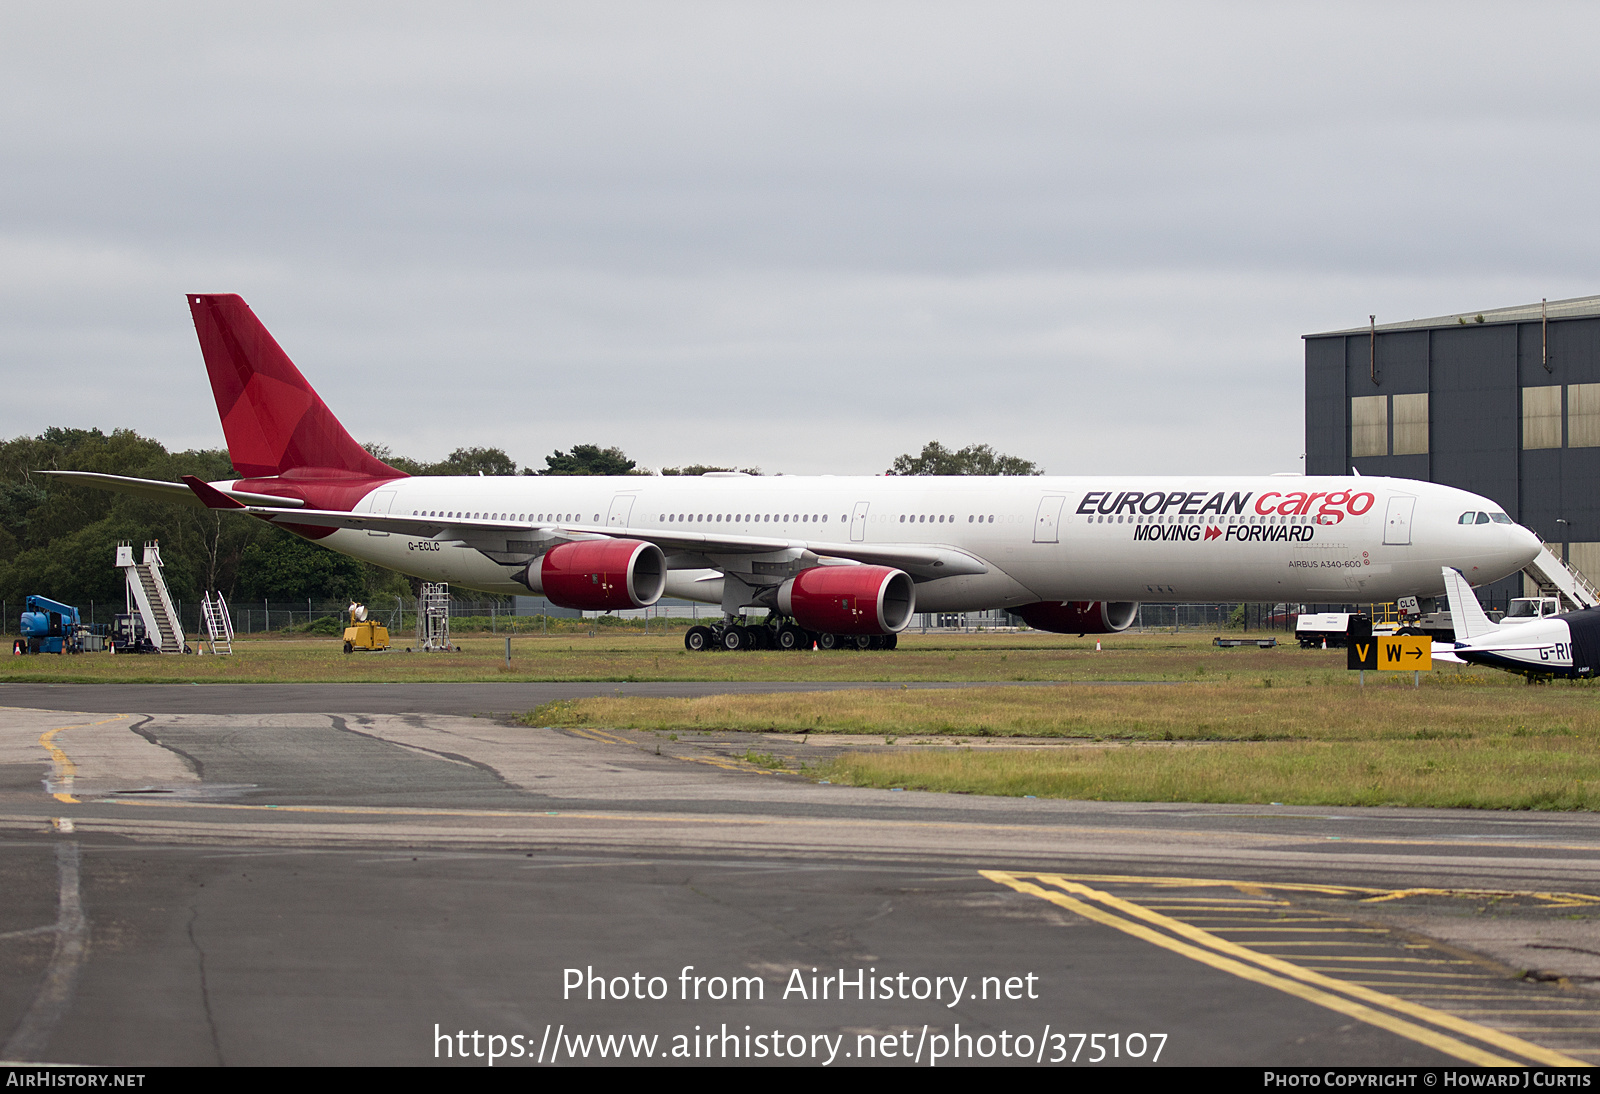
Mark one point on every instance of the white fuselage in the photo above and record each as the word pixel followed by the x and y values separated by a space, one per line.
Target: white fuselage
pixel 1540 647
pixel 1103 538
pixel 1099 538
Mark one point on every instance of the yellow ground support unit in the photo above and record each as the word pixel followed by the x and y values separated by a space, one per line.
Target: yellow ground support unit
pixel 364 633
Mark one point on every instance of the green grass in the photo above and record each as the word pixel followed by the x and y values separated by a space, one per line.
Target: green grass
pixel 1476 773
pixel 1239 711
pixel 1466 739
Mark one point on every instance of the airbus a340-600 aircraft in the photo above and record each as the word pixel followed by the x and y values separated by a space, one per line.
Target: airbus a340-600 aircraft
pixel 835 560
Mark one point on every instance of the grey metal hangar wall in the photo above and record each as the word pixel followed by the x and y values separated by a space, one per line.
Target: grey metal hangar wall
pixel 1505 403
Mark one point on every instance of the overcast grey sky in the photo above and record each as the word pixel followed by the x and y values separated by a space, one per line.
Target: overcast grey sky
pixel 805 236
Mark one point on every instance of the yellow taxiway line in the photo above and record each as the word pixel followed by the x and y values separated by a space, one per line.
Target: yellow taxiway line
pixel 1355 1000
pixel 65 768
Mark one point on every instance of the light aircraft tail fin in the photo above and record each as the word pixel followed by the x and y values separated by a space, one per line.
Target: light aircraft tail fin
pixel 273 420
pixel 1466 614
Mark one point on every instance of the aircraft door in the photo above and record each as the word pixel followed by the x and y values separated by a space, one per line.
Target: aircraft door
pixel 1397 522
pixel 1047 526
pixel 621 510
pixel 380 504
pixel 858 523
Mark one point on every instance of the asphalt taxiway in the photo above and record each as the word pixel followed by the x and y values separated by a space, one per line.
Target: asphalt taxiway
pixel 475 698
pixel 349 886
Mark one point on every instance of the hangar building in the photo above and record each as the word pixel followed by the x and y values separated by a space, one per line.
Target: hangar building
pixel 1505 403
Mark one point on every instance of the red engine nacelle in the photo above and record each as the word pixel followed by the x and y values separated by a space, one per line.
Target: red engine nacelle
pixel 600 575
pixel 1079 616
pixel 849 599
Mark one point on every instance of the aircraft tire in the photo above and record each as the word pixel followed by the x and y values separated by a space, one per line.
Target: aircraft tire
pixel 697 639
pixel 790 637
pixel 890 641
pixel 827 641
pixel 735 639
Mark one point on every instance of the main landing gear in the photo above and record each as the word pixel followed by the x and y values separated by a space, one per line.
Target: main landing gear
pixel 779 636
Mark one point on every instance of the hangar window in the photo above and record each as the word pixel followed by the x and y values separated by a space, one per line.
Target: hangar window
pixel 1585 558
pixel 1541 417
pixel 1411 424
pixel 1583 415
pixel 1369 425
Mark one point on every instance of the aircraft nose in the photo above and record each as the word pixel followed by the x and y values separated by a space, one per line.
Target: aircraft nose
pixel 1524 545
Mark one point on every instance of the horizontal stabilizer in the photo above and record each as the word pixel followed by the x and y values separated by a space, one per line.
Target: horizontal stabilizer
pixel 1466 614
pixel 210 495
pixel 165 491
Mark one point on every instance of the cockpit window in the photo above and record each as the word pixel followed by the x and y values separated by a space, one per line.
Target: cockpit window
pixel 1500 518
pixel 1483 518
pixel 1467 518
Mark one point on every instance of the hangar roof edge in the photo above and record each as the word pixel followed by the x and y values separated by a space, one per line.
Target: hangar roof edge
pixel 1574 308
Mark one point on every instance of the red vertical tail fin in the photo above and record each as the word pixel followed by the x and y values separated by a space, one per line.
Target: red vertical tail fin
pixel 273 420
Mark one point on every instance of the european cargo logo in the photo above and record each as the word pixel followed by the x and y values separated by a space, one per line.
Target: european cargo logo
pixel 1334 508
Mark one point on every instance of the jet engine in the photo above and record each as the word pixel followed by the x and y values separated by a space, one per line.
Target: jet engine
pixel 849 599
pixel 600 575
pixel 1079 616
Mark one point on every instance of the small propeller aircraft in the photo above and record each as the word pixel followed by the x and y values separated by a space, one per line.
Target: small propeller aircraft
pixel 1559 645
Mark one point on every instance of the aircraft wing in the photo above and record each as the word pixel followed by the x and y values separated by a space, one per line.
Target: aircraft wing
pixel 920 560
pixel 164 491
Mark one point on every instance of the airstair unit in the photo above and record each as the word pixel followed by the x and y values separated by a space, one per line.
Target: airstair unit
pixel 148 597
pixel 219 624
pixel 1555 578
